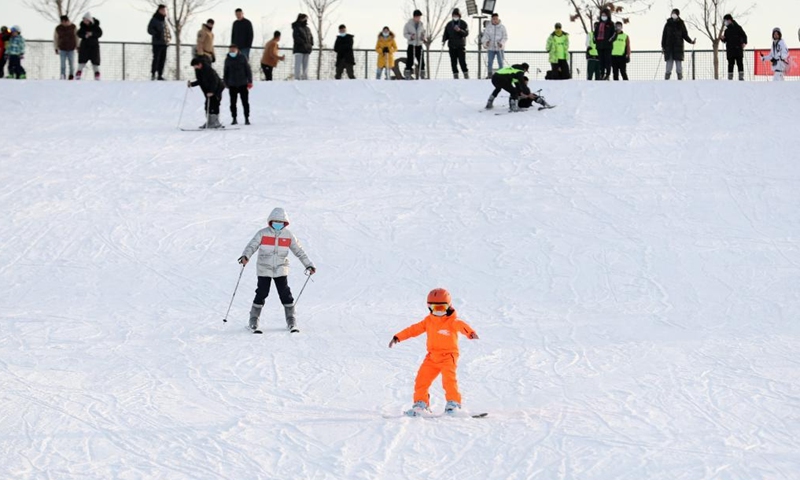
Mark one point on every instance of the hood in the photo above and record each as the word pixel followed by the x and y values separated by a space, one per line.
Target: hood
pixel 563 32
pixel 94 22
pixel 778 31
pixel 278 215
pixel 297 24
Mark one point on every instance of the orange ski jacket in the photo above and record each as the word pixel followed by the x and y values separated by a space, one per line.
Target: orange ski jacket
pixel 442 332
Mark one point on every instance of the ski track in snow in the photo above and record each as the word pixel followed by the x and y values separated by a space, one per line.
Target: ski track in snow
pixel 629 259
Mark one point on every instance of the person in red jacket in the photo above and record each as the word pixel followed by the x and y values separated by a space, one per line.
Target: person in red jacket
pixel 442 326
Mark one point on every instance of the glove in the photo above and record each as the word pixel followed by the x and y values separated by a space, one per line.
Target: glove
pixel 628 59
pixel 249 86
pixel 394 342
pixel 213 58
pixel 385 50
pixel 243 260
pixel 311 270
pixel 774 62
pixel 189 83
pixel 56 51
pixel 473 336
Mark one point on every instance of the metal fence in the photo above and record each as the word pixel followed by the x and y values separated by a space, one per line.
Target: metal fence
pixel 131 61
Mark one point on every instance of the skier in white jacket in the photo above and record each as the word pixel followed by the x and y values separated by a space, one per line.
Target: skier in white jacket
pixel 273 244
pixel 779 55
pixel 494 41
pixel 416 35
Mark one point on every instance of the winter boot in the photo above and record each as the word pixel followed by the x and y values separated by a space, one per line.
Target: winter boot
pixel 455 75
pixel 418 409
pixel 97 75
pixel 466 75
pixel 730 76
pixel 247 120
pixel 490 102
pixel 451 407
pixel 152 77
pixel 213 121
pixel 234 122
pixel 290 319
pixel 72 77
pixel 741 76
pixel 63 77
pixel 78 75
pixel 423 75
pixel 407 74
pixel 513 105
pixel 680 76
pixel 667 75
pixel 255 312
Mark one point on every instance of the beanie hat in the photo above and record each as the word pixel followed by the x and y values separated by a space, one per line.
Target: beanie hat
pixel 456 12
pixel 88 16
pixel 676 11
pixel 525 66
pixel 15 28
pixel 558 25
pixel 417 13
pixel 727 17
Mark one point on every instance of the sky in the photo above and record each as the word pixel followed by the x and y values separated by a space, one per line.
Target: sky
pixel 529 22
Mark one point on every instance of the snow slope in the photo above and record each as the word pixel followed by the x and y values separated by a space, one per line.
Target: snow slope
pixel 630 260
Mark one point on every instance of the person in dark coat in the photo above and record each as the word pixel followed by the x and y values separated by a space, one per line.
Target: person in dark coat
pixel 303 45
pixel 672 39
pixel 160 38
pixel 456 33
pixel 345 58
pixel 238 77
pixel 210 83
pixel 89 50
pixel 604 35
pixel 242 33
pixel 735 40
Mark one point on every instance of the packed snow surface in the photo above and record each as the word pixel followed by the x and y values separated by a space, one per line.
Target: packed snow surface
pixel 630 260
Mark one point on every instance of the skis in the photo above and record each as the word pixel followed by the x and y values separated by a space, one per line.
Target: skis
pixel 223 128
pixel 439 415
pixel 547 107
pixel 258 331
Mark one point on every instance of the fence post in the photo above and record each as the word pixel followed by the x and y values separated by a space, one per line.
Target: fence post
pixel 366 66
pixel 123 61
pixel 694 62
pixel 571 65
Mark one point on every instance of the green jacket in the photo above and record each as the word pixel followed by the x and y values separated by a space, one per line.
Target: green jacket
pixel 558 47
pixel 591 50
pixel 515 71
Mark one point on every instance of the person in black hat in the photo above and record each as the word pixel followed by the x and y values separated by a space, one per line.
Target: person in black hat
pixel 345 58
pixel 735 40
pixel 415 34
pixel 672 39
pixel 456 33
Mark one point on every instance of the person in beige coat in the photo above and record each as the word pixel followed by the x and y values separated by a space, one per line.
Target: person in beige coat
pixel 205 41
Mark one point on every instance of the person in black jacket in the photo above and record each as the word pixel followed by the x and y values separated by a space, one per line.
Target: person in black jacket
pixel 345 58
pixel 510 80
pixel 303 44
pixel 456 33
pixel 212 86
pixel 735 42
pixel 242 33
pixel 89 50
pixel 160 34
pixel 672 39
pixel 604 35
pixel 238 77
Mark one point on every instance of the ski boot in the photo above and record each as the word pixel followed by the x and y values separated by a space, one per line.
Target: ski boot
pixel 255 312
pixel 291 323
pixel 513 105
pixel 455 75
pixel 418 409
pixel 213 121
pixel 451 407
pixel 466 75
pixel 490 102
pixel 407 74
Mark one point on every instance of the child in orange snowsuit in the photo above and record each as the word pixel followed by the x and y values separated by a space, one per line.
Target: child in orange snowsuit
pixel 442 327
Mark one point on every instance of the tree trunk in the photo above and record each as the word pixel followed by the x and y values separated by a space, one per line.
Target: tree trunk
pixel 716 59
pixel 177 54
pixel 319 46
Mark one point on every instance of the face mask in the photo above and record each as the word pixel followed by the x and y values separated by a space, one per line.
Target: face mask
pixel 385 34
pixel 278 225
pixel 438 314
pixel 727 23
pixel 619 29
pixel 604 18
pixel 455 19
pixel 674 17
pixel 232 54
pixel 343 34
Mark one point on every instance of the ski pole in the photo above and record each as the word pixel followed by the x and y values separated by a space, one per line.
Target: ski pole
pixel 658 67
pixel 225 320
pixel 183 105
pixel 439 63
pixel 208 111
pixel 308 277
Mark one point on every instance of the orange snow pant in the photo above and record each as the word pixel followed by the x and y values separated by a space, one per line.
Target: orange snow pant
pixel 433 365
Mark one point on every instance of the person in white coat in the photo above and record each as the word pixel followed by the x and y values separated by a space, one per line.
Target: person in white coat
pixel 778 56
pixel 494 41
pixel 416 35
pixel 273 244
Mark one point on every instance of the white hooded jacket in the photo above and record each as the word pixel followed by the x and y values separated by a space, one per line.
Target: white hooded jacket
pixel 495 37
pixel 274 246
pixel 415 33
pixel 780 53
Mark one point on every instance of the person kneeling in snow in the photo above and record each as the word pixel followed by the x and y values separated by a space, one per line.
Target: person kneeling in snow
pixel 508 79
pixel 212 86
pixel 274 244
pixel 528 98
pixel 442 327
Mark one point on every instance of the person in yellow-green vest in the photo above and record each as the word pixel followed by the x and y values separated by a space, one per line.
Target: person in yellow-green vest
pixel 621 53
pixel 558 48
pixel 508 79
pixel 592 59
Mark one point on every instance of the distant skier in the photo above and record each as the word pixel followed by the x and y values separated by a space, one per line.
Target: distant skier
pixel 735 40
pixel 672 39
pixel 211 85
pixel 414 32
pixel 508 79
pixel 274 244
pixel 442 327
pixel 778 56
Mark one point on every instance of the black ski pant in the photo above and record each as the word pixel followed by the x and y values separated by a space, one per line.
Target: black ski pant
pixel 416 52
pixel 504 82
pixel 2 65
pixel 561 69
pixel 267 72
pixel 245 94
pixel 340 69
pixel 620 66
pixel 281 283
pixel 212 105
pixel 159 59
pixel 458 56
pixel 605 63
pixel 738 61
pixel 15 69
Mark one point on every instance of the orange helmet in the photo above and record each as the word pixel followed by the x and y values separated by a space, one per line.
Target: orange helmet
pixel 439 295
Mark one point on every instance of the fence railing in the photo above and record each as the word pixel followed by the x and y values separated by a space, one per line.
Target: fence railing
pixel 131 61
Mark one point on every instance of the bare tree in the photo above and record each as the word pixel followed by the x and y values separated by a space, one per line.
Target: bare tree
pixel 179 13
pixel 319 9
pixel 710 22
pixel 54 9
pixel 587 10
pixel 435 14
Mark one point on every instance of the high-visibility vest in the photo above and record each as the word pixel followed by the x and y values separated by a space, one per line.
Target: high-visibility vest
pixel 620 47
pixel 592 45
